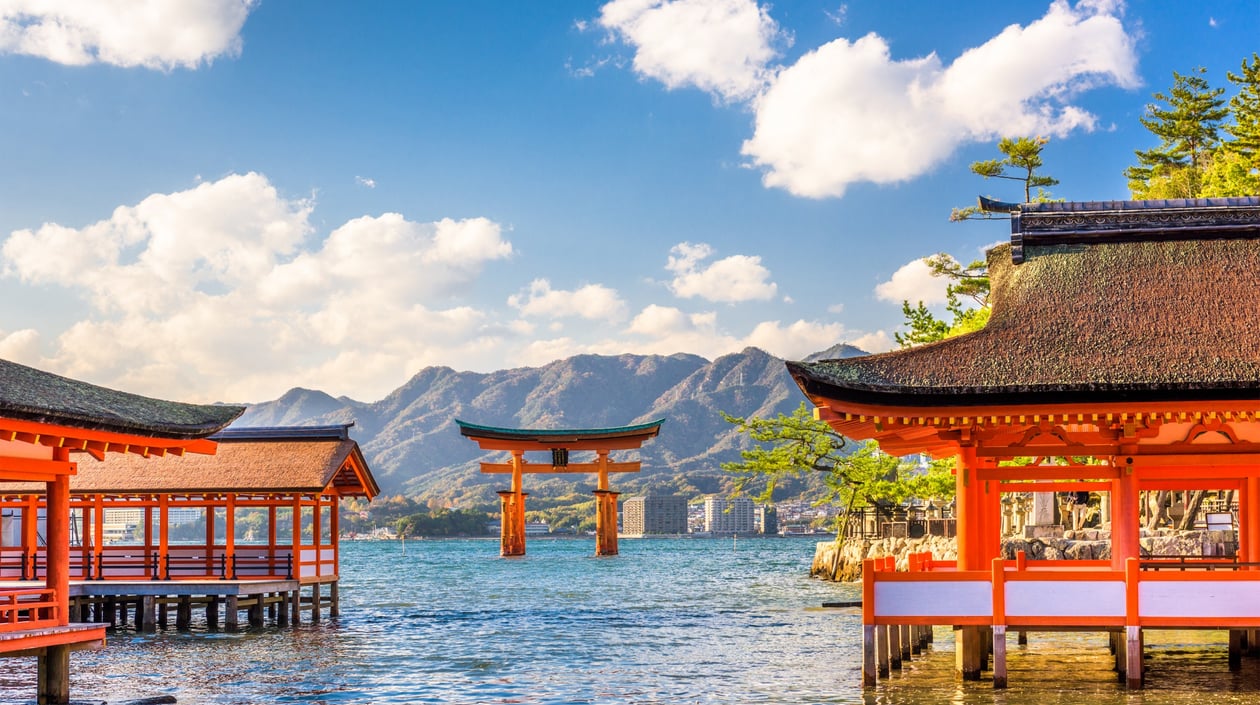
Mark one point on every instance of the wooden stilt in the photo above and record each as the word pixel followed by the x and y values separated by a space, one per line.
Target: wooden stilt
pixel 1122 660
pixel 1133 657
pixel 881 650
pixel 916 639
pixel 212 612
pixel 183 613
pixel 1235 649
pixel 906 647
pixel 231 613
pixel 146 616
pixel 314 603
pixel 120 609
pixel 894 647
pixel 271 607
pixel 282 609
pixel 999 656
pixel 967 652
pixel 869 674
pixel 256 612
pixel 1023 638
pixel 163 613
pixel 54 676
pixel 334 599
pixel 295 606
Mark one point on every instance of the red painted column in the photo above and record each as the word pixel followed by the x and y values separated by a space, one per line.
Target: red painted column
pixel 1252 528
pixel 57 518
pixel 1125 519
pixel 969 512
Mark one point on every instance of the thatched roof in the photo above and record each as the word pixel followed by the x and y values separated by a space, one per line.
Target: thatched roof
pixel 29 394
pixel 251 460
pixel 1135 301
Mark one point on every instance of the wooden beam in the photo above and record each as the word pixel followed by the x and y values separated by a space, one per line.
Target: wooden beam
pixel 1049 472
pixel 571 468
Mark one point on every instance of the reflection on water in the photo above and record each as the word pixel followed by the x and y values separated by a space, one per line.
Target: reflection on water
pixel 668 621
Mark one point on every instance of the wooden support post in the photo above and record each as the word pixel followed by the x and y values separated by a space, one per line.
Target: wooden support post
pixel 271 607
pixel 183 613
pixel 334 599
pixel 122 612
pixel 110 614
pixel 146 616
pixel 1023 638
pixel 1133 658
pixel 282 611
pixel 212 612
pixel 906 647
pixel 256 612
pixel 882 650
pixel 295 606
pixel 894 646
pixel 999 656
pixel 1122 663
pixel 916 639
pixel 967 652
pixel 163 612
pixel 231 613
pixel 315 603
pixel 54 675
pixel 1235 649
pixel 869 647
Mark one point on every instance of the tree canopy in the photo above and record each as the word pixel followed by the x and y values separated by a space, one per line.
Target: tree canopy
pixel 855 476
pixel 1022 157
pixel 1207 147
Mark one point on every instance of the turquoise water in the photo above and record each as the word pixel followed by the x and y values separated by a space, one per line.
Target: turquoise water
pixel 668 621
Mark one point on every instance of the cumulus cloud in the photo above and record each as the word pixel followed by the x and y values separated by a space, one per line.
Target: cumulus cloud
pixel 720 46
pixel 849 111
pixel 913 282
pixel 157 34
pixel 220 292
pixel 365 181
pixel 730 279
pixel 593 302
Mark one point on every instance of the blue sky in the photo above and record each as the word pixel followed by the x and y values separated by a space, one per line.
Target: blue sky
pixel 220 200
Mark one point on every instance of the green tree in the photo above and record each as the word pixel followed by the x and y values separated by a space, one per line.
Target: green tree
pixel 1244 108
pixel 1188 127
pixel 791 446
pixel 1020 161
pixel 969 283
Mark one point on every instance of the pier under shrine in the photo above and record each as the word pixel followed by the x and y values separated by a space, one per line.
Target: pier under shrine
pixel 1122 356
pixel 558 443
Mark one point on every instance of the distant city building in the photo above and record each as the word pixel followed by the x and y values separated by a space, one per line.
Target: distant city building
pixel 728 516
pixel 766 519
pixel 654 514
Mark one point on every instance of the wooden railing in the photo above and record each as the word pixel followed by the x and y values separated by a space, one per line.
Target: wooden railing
pixel 28 609
pixel 1021 593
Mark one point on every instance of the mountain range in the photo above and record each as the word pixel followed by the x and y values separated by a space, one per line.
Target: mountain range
pixel 413 446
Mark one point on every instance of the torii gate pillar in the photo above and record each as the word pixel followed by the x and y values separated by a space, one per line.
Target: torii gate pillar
pixel 512 506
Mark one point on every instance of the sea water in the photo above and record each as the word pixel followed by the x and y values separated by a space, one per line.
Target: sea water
pixel 667 621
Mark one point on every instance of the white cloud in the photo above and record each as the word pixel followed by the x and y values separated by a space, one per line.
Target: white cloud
pixel 731 279
pixel 913 282
pixel 157 34
pixel 365 181
pixel 876 342
pixel 720 46
pixel 849 112
pixel 219 293
pixel 593 301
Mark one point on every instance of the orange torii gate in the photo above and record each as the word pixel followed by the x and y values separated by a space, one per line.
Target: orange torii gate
pixel 559 442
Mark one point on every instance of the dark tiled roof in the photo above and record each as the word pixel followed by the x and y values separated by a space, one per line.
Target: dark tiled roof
pixel 240 465
pixel 1134 320
pixel 33 395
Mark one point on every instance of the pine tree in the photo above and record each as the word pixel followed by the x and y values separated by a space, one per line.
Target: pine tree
pixel 1245 110
pixel 1188 129
pixel 1022 155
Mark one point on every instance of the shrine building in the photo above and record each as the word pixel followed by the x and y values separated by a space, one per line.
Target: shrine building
pixel 48 425
pixel 1122 356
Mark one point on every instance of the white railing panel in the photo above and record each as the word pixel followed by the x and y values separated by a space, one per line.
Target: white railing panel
pixel 962 598
pixel 1199 598
pixel 1060 598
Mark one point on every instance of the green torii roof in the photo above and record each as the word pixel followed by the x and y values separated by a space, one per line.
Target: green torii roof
pixel 562 435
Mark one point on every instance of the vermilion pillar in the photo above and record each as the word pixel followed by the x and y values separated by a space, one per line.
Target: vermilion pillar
pixel 512 528
pixel 606 522
pixel 57 517
pixel 1125 520
pixel 968 512
pixel 1251 530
